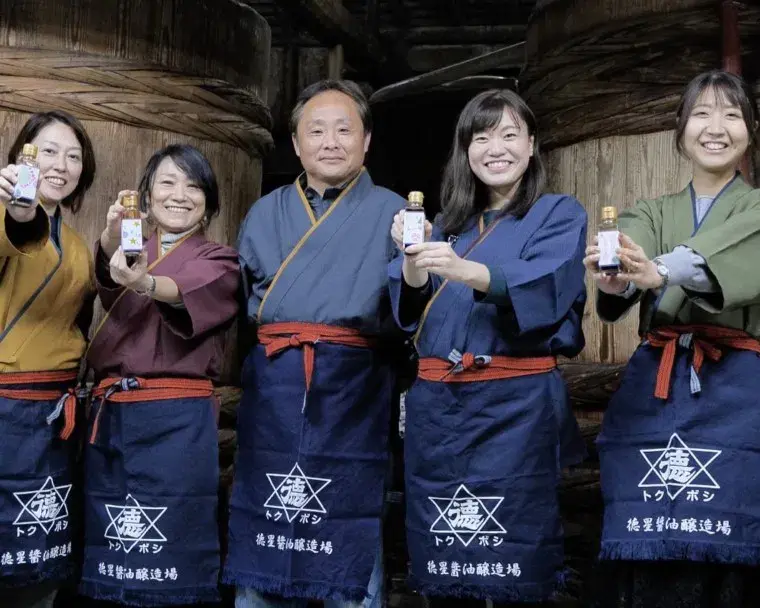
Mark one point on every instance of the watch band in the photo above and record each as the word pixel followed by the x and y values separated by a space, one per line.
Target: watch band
pixel 151 290
pixel 663 271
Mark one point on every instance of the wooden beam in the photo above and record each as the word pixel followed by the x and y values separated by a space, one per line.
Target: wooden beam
pixel 332 24
pixel 496 60
pixel 335 62
pixel 463 34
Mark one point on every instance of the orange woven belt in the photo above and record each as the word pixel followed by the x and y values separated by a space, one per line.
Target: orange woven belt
pixel 477 368
pixel 67 400
pixel 277 337
pixel 706 341
pixel 134 389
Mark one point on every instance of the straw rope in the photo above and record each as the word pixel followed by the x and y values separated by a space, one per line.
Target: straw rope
pixel 625 77
pixel 94 87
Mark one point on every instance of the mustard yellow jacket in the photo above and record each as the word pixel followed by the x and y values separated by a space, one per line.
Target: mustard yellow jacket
pixel 43 293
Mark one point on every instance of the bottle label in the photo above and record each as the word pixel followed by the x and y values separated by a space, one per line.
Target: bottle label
pixel 131 236
pixel 414 227
pixel 608 244
pixel 25 190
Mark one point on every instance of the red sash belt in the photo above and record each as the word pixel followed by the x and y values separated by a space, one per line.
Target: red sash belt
pixel 66 400
pixel 706 341
pixel 133 389
pixel 277 337
pixel 472 368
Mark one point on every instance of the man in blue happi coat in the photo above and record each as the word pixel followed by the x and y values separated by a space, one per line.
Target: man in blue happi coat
pixel 313 423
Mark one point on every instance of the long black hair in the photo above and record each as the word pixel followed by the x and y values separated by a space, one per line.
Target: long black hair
pixel 463 195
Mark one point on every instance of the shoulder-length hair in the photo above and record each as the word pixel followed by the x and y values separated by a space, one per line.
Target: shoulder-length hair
pixel 192 163
pixel 35 124
pixel 463 195
pixel 730 90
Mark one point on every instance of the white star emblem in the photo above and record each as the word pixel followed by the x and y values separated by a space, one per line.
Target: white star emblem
pixel 465 515
pixel 43 507
pixel 131 523
pixel 678 466
pixel 296 493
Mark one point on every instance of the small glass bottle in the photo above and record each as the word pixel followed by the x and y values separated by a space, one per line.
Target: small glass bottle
pixel 414 219
pixel 25 190
pixel 609 242
pixel 131 227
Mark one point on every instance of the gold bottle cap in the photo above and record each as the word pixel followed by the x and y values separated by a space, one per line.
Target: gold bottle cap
pixel 29 150
pixel 609 213
pixel 416 198
pixel 130 201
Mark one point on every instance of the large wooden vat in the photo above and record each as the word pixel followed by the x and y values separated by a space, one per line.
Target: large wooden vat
pixel 141 74
pixel 604 78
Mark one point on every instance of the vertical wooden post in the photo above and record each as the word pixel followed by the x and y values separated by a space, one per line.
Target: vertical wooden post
pixel 335 62
pixel 732 56
pixel 335 59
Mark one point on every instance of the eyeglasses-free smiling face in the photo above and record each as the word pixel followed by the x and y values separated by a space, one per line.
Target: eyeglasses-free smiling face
pixel 716 136
pixel 59 155
pixel 499 157
pixel 176 202
pixel 330 139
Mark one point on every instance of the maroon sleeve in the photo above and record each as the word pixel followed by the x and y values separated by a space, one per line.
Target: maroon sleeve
pixel 107 289
pixel 209 284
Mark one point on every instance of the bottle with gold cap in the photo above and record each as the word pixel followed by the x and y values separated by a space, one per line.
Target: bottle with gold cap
pixel 131 226
pixel 609 235
pixel 414 219
pixel 25 190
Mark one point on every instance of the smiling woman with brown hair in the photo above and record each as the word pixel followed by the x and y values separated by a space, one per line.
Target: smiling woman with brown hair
pixel 679 447
pixel 151 461
pixel 46 293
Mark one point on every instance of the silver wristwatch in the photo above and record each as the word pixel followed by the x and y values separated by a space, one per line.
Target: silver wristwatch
pixel 151 290
pixel 663 271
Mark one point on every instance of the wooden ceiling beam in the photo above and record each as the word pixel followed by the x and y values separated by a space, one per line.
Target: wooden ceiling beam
pixel 508 57
pixel 332 24
pixel 462 34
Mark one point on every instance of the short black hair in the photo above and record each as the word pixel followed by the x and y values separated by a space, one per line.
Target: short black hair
pixel 347 87
pixel 35 124
pixel 192 163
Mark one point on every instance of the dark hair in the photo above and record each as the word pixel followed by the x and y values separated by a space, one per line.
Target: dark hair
pixel 347 87
pixel 730 89
pixel 35 124
pixel 463 195
pixel 192 163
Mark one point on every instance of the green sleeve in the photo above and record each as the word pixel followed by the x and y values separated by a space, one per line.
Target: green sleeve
pixel 643 224
pixel 731 253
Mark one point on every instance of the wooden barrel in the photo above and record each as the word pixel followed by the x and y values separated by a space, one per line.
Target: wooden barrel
pixel 142 74
pixel 604 78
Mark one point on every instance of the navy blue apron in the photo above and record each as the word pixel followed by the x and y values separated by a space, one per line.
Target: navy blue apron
pixel 310 473
pixel 38 506
pixel 681 475
pixel 151 499
pixel 482 469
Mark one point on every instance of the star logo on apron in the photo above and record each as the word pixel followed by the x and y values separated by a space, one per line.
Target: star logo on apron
pixel 296 493
pixel 131 524
pixel 678 466
pixel 466 516
pixel 43 507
